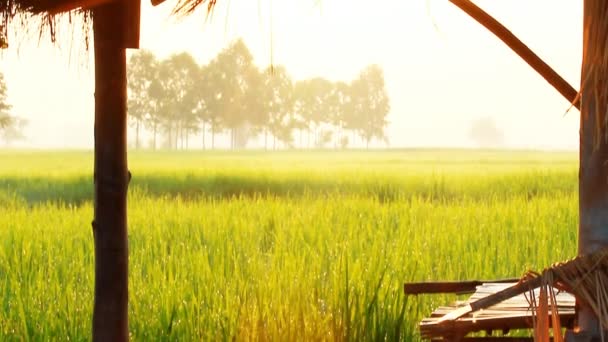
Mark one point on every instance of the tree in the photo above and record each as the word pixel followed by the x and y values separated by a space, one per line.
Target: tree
pixel 485 133
pixel 311 104
pixel 210 100
pixel 6 119
pixel 203 98
pixel 341 110
pixel 14 131
pixel 178 76
pixel 278 101
pixel 254 106
pixel 11 127
pixel 371 104
pixel 324 138
pixel 303 104
pixel 238 82
pixel 159 106
pixel 142 70
pixel 165 96
pixel 284 134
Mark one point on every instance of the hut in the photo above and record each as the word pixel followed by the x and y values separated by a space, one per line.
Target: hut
pixel 116 28
pixel 582 280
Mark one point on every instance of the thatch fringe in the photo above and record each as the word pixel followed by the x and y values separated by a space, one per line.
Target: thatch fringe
pixel 32 22
pixel 21 14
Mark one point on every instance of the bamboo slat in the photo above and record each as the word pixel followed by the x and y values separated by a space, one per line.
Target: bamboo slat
pixel 511 313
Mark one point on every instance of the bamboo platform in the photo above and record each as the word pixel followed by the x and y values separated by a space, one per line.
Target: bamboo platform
pixel 511 313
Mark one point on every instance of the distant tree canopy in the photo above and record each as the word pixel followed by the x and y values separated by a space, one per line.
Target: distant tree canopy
pixel 177 98
pixel 11 127
pixel 5 118
pixel 486 133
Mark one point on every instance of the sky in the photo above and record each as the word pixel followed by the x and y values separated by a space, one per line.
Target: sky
pixel 442 69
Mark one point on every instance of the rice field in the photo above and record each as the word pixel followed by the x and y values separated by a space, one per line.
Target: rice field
pixel 279 246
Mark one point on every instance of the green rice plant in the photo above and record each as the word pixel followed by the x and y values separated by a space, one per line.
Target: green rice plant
pixel 278 246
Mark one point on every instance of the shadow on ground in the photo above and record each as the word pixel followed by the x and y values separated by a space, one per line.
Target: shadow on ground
pixel 77 190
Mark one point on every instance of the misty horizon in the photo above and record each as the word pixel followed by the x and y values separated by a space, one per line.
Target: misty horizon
pixel 440 79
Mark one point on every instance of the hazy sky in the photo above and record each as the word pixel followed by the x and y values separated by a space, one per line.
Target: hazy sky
pixel 442 69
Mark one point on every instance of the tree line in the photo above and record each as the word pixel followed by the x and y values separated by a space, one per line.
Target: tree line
pixel 176 98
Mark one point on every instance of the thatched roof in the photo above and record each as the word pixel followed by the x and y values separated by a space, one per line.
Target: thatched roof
pixel 21 13
pixel 9 9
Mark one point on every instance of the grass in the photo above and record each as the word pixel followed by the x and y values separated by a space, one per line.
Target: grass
pixel 277 246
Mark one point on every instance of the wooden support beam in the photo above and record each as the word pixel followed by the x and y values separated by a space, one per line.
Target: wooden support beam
pixel 463 287
pixel 593 153
pixel 132 19
pixel 110 311
pixel 520 49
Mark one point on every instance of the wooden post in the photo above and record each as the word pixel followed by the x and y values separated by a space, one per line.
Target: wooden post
pixel 110 315
pixel 593 172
